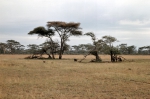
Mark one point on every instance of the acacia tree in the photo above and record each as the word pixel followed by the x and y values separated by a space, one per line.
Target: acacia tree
pixel 88 46
pixel 140 50
pixel 3 47
pixel 110 40
pixel 131 49
pixel 144 50
pixel 76 48
pixel 148 49
pixel 64 30
pixel 123 48
pixel 43 32
pixel 33 48
pixel 97 45
pixel 22 48
pixel 50 47
pixel 13 46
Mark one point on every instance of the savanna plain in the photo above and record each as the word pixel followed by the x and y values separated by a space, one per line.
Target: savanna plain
pixel 65 79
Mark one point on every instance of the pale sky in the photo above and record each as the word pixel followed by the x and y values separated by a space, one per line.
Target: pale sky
pixel 127 20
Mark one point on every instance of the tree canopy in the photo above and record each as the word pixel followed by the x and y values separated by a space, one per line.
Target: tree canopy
pixel 64 30
pixel 41 31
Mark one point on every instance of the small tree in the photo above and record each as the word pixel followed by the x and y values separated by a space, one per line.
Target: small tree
pixel 64 30
pixel 97 45
pixel 13 45
pixel 123 48
pixel 76 48
pixel 88 46
pixel 140 50
pixel 148 49
pixel 144 50
pixel 42 32
pixel 110 40
pixel 131 49
pixel 3 47
pixel 33 48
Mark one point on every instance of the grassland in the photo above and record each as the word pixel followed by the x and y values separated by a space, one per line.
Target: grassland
pixel 65 79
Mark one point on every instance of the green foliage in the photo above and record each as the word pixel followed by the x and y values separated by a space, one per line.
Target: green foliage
pixel 109 40
pixel 11 46
pixel 131 49
pixel 63 25
pixel 123 48
pixel 41 31
pixel 76 33
pixel 144 50
pixel 92 35
pixel 3 47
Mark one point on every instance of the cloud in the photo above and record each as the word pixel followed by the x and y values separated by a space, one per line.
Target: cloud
pixel 134 23
pixel 119 18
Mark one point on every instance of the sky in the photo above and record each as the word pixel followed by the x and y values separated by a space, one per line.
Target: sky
pixel 127 20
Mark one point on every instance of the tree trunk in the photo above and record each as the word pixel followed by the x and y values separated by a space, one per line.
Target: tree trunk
pixel 52 49
pixel 60 53
pixel 45 51
pixel 60 56
pixel 53 56
pixel 4 50
pixel 61 50
pixel 98 58
pixel 111 55
pixel 49 56
pixel 95 53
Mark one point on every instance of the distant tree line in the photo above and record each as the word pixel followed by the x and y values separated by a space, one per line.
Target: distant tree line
pixel 15 47
pixel 121 49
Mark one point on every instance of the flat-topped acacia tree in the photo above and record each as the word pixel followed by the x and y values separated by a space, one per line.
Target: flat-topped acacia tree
pixel 64 30
pixel 43 32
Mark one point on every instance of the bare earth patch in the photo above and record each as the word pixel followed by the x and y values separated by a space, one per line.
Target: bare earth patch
pixel 65 79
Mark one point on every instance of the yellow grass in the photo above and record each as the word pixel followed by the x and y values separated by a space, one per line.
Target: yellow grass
pixel 65 79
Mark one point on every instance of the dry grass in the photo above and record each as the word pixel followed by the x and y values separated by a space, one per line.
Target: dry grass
pixel 65 79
